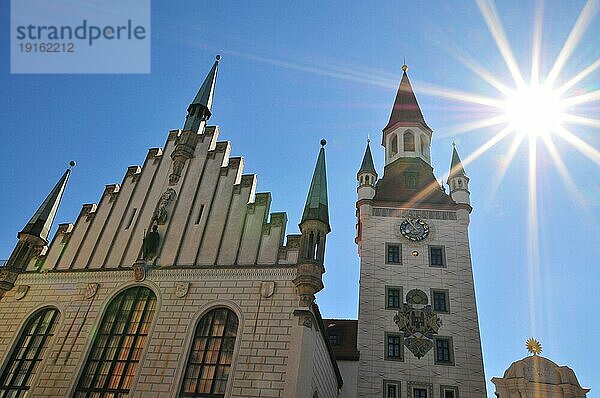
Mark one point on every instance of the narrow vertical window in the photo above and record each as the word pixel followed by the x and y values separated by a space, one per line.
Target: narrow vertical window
pixel 393 145
pixel 131 218
pixel 410 180
pixel 440 300
pixel 118 344
pixel 199 215
pixel 393 253
pixel 393 296
pixel 443 351
pixel 409 142
pixel 28 353
pixel 392 391
pixel 209 362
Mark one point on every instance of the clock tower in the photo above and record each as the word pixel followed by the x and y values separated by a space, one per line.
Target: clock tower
pixel 418 332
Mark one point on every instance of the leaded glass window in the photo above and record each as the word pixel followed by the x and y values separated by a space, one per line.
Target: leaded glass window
pixel 117 347
pixel 28 353
pixel 211 355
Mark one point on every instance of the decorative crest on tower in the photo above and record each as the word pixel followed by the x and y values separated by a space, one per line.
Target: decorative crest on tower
pixel 533 346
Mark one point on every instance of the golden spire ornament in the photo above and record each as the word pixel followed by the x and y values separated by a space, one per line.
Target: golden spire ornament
pixel 533 346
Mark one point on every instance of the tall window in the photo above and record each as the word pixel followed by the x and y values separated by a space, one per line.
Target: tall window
pixel 28 353
pixel 440 300
pixel 410 180
pixel 393 296
pixel 393 254
pixel 443 351
pixel 209 363
pixel 409 142
pixel 393 145
pixel 117 347
pixel 393 346
pixel 437 256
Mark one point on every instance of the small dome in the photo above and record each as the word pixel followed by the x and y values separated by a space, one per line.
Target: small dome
pixel 541 370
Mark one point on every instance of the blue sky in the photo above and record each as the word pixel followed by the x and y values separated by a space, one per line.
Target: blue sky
pixel 294 73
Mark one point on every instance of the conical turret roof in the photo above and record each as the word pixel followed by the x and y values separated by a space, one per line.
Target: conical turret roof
pixel 42 219
pixel 203 99
pixel 456 166
pixel 367 165
pixel 317 207
pixel 406 108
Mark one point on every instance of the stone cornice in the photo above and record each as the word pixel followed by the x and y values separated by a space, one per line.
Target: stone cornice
pixel 193 273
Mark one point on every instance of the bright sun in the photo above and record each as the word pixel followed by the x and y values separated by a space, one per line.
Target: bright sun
pixel 534 110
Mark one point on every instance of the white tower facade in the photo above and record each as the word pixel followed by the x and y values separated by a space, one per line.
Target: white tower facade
pixel 418 332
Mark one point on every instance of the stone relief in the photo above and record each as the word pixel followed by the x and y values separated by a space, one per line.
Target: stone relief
pixel 160 214
pixel 139 272
pixel 267 289
pixel 181 289
pixel 21 291
pixel 91 290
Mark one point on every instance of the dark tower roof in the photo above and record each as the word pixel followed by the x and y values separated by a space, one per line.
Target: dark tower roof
pixel 200 108
pixel 367 162
pixel 42 219
pixel 406 108
pixel 316 207
pixel 456 166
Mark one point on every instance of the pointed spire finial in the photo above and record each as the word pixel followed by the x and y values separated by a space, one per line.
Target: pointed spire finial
pixel 368 139
pixel 200 108
pixel 404 67
pixel 40 223
pixel 317 207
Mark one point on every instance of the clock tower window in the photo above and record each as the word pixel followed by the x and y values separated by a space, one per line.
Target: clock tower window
pixel 409 142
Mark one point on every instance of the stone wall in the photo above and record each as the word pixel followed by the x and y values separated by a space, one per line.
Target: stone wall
pixel 260 367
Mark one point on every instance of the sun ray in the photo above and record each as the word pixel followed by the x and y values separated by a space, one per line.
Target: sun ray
pixel 564 172
pixel 582 99
pixel 475 125
pixel 581 120
pixel 461 96
pixel 537 41
pixel 490 15
pixel 579 144
pixel 578 77
pixel 532 233
pixel 585 17
pixel 509 156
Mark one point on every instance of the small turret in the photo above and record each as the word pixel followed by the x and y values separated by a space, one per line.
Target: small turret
pixel 367 175
pixel 314 227
pixel 459 182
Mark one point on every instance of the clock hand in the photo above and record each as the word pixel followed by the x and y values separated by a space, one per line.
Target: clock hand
pixel 412 224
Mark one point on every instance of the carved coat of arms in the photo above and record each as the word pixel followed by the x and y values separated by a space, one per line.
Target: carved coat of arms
pixel 181 289
pixel 21 291
pixel 91 290
pixel 419 323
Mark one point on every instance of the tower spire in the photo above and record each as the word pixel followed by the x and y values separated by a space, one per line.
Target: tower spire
pixel 316 207
pixel 406 109
pixel 200 108
pixel 40 223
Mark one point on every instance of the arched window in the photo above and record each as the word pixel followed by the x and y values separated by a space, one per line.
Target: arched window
pixel 118 344
pixel 209 362
pixel 393 145
pixel 28 353
pixel 409 142
pixel 424 144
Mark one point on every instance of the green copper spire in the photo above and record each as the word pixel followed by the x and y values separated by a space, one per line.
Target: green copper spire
pixel 41 222
pixel 316 207
pixel 367 163
pixel 200 108
pixel 456 166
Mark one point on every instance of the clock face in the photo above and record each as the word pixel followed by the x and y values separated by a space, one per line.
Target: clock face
pixel 414 229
